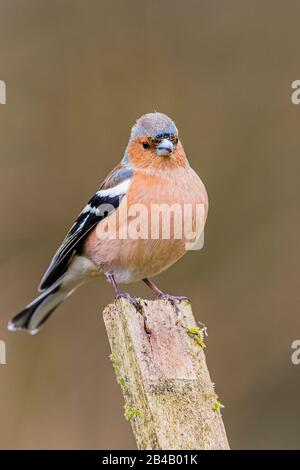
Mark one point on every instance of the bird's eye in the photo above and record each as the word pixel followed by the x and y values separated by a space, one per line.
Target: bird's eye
pixel 146 145
pixel 176 141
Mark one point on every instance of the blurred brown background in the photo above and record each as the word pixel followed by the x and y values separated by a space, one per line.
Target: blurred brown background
pixel 78 74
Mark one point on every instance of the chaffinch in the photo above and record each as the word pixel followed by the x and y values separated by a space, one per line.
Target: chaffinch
pixel 107 237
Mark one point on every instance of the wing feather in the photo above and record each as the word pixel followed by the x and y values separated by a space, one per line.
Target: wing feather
pixel 104 202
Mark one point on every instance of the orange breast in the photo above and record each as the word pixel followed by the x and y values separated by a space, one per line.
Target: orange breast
pixel 145 229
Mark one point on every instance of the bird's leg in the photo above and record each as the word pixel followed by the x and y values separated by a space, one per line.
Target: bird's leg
pixel 123 295
pixel 161 295
pixel 173 299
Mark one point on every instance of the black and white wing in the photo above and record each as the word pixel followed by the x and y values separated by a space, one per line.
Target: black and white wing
pixel 104 202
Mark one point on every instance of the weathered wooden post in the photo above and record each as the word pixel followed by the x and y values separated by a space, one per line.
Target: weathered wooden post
pixel 160 365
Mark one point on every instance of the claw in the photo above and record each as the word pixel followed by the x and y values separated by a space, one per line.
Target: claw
pixel 174 300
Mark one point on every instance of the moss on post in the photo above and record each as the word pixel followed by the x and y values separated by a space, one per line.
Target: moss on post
pixel 169 397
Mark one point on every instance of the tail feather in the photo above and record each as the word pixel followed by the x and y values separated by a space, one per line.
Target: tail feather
pixel 36 313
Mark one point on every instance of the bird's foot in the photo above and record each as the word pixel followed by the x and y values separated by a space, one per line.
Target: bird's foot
pixel 174 300
pixel 161 295
pixel 130 298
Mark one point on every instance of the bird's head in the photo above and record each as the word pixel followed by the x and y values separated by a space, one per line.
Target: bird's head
pixel 154 143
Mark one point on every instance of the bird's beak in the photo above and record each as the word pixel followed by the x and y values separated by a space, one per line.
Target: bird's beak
pixel 165 148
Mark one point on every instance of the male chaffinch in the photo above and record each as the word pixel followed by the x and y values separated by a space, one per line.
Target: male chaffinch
pixel 153 171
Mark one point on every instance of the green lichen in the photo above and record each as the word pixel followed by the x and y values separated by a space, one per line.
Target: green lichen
pixel 216 404
pixel 122 383
pixel 197 334
pixel 209 395
pixel 116 362
pixel 130 413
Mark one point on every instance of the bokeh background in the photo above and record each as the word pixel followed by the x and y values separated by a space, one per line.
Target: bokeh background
pixel 78 74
